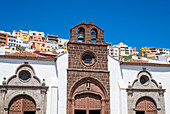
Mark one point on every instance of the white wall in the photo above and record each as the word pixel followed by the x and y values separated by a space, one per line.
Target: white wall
pixel 43 70
pixel 62 65
pixel 117 100
pixel 159 74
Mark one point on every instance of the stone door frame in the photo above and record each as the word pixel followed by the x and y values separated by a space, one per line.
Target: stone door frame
pixel 72 94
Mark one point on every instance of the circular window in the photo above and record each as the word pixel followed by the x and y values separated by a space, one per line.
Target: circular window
pixel 24 75
pixel 144 80
pixel 88 59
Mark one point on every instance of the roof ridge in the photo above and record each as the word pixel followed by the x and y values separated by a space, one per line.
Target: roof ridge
pixel 25 54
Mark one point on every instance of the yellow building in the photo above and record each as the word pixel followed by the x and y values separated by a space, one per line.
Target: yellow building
pixel 62 43
pixel 147 52
pixel 49 49
pixel 25 37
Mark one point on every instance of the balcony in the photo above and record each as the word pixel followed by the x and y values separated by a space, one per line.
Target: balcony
pixel 2 37
pixel 2 40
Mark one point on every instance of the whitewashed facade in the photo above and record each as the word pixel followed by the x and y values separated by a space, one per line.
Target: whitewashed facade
pixel 55 76
pixel 31 84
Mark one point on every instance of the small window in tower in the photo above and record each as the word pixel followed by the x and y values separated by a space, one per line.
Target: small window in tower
pixel 93 35
pixel 81 34
pixel 88 59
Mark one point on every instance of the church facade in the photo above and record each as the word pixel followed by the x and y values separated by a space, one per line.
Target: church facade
pixel 86 80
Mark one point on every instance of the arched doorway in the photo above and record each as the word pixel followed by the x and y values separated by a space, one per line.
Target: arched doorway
pixel 88 96
pixel 146 105
pixel 22 104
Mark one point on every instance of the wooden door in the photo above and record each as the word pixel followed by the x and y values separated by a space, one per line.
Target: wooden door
pixel 147 105
pixel 20 104
pixel 88 102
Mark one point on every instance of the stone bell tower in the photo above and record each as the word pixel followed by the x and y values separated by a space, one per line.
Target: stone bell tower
pixel 88 89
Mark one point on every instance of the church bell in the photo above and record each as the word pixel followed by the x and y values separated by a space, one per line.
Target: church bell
pixel 93 36
pixel 81 35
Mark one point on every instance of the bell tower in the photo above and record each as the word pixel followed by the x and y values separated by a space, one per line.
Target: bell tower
pixel 88 88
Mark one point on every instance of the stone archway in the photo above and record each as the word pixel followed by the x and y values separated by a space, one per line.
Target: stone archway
pixel 146 105
pixel 22 104
pixel 88 96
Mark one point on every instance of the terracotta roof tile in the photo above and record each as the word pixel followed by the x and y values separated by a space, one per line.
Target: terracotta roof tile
pixel 25 54
pixel 167 55
pixel 136 61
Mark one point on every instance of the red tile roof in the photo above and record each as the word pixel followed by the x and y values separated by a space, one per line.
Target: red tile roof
pixel 167 55
pixel 25 54
pixel 136 61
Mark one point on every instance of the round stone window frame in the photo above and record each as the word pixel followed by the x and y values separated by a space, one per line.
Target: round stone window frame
pixel 146 76
pixel 27 69
pixel 89 53
pixel 24 72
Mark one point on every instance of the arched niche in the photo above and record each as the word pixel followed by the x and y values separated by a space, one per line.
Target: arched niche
pixel 93 35
pixel 81 34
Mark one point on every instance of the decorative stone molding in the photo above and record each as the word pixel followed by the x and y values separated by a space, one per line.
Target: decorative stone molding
pixel 145 86
pixel 13 87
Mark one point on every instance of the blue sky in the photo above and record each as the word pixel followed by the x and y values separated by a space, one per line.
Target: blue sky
pixel 135 22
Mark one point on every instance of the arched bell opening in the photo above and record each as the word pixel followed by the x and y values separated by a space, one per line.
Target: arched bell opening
pixel 93 35
pixel 81 33
pixel 146 105
pixel 22 104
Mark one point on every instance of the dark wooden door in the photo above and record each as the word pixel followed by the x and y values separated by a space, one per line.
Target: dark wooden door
pixel 140 112
pixel 80 112
pixel 94 112
pixel 29 112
